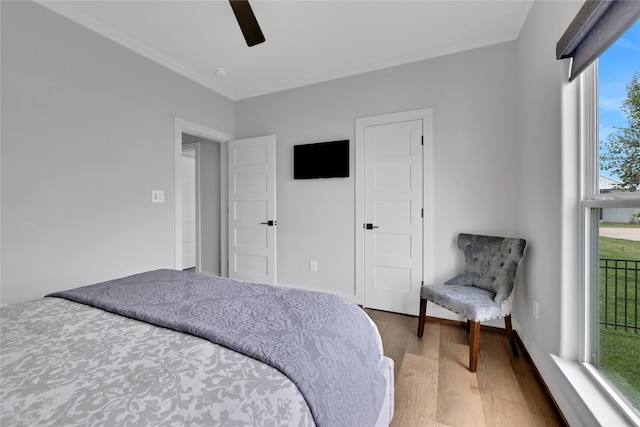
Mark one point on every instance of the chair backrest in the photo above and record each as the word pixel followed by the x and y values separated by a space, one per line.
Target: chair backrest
pixel 491 263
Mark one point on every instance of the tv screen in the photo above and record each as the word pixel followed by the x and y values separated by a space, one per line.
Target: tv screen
pixel 321 160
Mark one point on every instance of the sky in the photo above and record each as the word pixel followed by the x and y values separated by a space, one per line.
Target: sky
pixel 615 68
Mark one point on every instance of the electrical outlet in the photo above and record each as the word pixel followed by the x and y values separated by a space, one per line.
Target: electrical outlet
pixel 535 309
pixel 313 266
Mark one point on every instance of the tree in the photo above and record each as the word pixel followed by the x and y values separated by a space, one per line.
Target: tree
pixel 621 150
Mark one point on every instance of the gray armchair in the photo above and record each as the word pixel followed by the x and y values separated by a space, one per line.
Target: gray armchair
pixel 484 291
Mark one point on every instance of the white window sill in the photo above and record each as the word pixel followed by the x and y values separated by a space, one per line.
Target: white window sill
pixel 604 408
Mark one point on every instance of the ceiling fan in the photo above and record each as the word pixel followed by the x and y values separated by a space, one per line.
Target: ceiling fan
pixel 247 21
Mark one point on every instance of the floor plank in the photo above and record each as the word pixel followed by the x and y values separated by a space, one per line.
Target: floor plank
pixel 429 345
pixel 397 334
pixel 494 377
pixel 416 399
pixel 502 412
pixel 453 333
pixel 459 401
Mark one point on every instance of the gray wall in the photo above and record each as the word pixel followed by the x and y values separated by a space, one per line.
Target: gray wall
pixel 87 133
pixel 542 175
pixel 473 96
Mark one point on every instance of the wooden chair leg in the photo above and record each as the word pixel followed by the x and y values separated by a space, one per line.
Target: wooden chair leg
pixel 512 339
pixel 474 346
pixel 422 316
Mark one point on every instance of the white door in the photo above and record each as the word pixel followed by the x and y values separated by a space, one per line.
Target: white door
pixel 188 209
pixel 252 209
pixel 393 216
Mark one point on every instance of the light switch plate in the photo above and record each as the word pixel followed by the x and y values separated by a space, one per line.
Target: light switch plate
pixel 157 196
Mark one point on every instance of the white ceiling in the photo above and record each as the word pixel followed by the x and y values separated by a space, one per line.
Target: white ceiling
pixel 306 41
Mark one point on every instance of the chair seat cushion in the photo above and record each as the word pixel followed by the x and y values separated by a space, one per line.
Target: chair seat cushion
pixel 475 304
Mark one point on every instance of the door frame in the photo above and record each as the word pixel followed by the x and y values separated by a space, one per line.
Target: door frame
pixel 428 190
pixel 195 129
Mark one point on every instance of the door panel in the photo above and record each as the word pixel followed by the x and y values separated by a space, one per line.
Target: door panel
pixel 252 204
pixel 188 210
pixel 393 205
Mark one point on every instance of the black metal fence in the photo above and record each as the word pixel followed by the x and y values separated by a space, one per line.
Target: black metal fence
pixel 619 283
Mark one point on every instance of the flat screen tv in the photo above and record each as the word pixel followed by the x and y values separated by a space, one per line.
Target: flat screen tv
pixel 321 160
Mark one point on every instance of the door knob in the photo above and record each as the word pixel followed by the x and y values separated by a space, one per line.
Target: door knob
pixel 370 226
pixel 270 223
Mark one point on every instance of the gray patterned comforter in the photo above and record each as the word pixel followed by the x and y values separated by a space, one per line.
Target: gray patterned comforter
pixel 326 346
pixel 68 364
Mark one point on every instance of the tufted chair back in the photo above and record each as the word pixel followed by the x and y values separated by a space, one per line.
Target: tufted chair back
pixel 491 263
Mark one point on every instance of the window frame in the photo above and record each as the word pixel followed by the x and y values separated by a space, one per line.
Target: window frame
pixel 590 201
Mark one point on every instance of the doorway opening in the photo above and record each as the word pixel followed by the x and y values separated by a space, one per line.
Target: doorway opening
pixel 201 205
pixel 200 221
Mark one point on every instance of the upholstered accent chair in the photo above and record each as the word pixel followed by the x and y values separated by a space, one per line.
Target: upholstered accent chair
pixel 483 291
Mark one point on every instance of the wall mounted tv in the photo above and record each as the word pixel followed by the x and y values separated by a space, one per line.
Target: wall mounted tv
pixel 321 160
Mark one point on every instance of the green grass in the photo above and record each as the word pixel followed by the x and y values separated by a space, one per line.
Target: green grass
pixel 619 249
pixel 619 361
pixel 619 349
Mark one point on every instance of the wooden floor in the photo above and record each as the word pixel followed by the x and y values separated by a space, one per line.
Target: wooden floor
pixel 433 385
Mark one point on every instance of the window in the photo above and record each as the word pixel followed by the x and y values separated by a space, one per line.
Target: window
pixel 611 220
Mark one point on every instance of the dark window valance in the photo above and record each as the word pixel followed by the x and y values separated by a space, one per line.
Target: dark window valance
pixel 596 27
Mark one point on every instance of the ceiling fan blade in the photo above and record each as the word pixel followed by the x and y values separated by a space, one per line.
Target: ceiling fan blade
pixel 247 21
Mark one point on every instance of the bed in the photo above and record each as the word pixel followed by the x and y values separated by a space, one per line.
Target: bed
pixel 170 348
